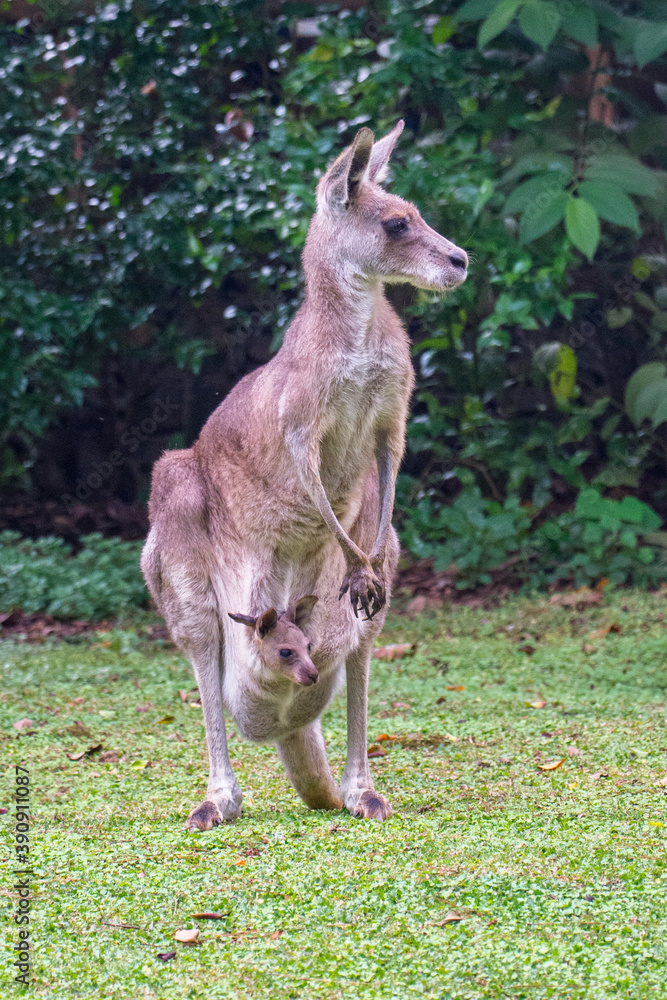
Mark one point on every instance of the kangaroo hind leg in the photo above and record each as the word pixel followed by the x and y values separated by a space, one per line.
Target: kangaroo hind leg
pixel 304 756
pixel 177 562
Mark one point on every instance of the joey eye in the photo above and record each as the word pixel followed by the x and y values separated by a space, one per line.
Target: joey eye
pixel 285 653
pixel 395 227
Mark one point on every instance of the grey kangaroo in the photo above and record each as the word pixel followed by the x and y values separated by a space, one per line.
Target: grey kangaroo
pixel 284 503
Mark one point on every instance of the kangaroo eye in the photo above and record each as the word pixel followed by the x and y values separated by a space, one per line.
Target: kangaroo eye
pixel 310 646
pixel 394 227
pixel 285 653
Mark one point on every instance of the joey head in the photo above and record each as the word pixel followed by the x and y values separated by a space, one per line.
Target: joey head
pixel 281 644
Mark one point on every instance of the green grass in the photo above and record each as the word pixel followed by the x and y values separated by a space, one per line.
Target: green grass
pixel 560 876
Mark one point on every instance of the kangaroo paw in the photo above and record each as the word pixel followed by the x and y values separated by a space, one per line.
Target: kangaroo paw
pixel 208 815
pixel 371 805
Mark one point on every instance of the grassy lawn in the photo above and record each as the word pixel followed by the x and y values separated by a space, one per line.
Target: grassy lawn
pixel 559 876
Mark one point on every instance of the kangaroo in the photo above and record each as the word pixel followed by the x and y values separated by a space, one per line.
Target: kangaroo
pixel 284 503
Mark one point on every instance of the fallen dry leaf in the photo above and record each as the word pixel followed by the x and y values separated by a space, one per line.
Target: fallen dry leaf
pixel 552 766
pixel 167 719
pixel 209 915
pixel 451 918
pixel 538 703
pixel 456 687
pixel 395 652
pixel 183 695
pixel 78 729
pixel 401 705
pixel 187 936
pixel 587 648
pixel 527 649
pixel 276 935
pixel 23 724
pixel 601 633
pixel 583 597
pixel 166 956
pixel 598 775
pixel 383 737
pixel 77 701
pixel 662 783
pixel 85 753
pixel 109 757
pixel 573 751
pixel 148 88
pixel 376 751
pixel 441 700
pixel 240 862
pixel 139 765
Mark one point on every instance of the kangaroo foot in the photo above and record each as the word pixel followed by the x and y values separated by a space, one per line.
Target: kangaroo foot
pixel 367 591
pixel 210 814
pixel 371 805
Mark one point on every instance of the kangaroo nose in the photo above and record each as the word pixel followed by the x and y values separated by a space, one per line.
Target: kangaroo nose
pixel 459 259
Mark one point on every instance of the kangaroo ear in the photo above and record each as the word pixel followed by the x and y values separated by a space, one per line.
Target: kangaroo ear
pixel 344 178
pixel 303 609
pixel 243 619
pixel 382 150
pixel 266 622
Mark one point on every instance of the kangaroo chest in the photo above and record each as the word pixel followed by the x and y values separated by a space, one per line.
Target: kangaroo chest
pixel 365 396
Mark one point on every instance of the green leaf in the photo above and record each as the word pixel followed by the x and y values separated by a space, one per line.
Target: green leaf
pixel 649 402
pixel 636 512
pixel 497 21
pixel 582 225
pixel 611 203
pixel 650 42
pixel 590 504
pixel 643 376
pixel 563 378
pixel 535 163
pixel 474 9
pixel 523 195
pixel 660 415
pixel 443 30
pixel 545 212
pixel 322 53
pixel 581 24
pixel 624 171
pixel 559 363
pixel 540 20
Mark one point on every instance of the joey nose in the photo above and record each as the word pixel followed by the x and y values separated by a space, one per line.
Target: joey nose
pixel 308 676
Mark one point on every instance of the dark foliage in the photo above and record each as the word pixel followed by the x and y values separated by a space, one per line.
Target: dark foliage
pixel 158 162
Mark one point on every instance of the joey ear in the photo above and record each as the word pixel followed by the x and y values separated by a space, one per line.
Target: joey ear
pixel 382 150
pixel 303 609
pixel 243 619
pixel 344 178
pixel 266 622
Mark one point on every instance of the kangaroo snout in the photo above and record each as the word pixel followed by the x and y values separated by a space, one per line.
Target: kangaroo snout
pixel 459 258
pixel 307 676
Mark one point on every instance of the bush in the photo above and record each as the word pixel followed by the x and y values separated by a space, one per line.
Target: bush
pixel 601 539
pixel 474 538
pixel 158 168
pixel 103 580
